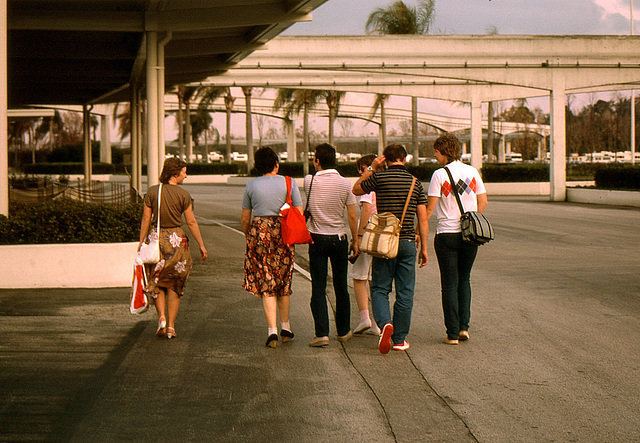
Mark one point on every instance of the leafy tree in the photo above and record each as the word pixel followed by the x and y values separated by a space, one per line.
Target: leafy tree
pixel 295 101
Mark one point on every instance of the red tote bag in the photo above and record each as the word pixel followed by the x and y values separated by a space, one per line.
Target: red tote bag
pixel 293 226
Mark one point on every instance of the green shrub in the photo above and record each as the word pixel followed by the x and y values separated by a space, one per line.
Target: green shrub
pixel 69 221
pixel 214 168
pixel 618 177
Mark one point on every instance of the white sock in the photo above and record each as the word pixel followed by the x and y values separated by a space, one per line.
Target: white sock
pixel 286 326
pixel 364 315
pixel 272 331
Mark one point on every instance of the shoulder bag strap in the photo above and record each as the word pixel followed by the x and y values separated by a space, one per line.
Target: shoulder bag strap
pixel 306 208
pixel 454 189
pixel 159 196
pixel 406 203
pixel 289 200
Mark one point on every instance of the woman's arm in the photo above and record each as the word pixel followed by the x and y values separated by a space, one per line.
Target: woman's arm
pixel 190 218
pixel 144 225
pixel 246 220
pixel 365 214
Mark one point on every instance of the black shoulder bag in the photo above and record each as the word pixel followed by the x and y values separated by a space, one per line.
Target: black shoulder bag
pixel 307 213
pixel 476 228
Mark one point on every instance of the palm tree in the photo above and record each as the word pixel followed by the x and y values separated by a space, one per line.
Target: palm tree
pixel 207 96
pixel 398 18
pixel 379 104
pixel 188 93
pixel 333 99
pixel 293 101
pixel 247 90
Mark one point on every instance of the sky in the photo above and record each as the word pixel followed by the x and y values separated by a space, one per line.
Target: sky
pixel 549 17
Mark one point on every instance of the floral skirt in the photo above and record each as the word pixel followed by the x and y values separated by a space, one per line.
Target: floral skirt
pixel 172 271
pixel 268 264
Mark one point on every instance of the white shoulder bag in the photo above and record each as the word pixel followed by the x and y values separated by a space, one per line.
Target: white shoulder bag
pixel 150 252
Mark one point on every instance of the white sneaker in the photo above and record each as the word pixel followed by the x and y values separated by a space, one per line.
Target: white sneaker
pixel 363 326
pixel 373 330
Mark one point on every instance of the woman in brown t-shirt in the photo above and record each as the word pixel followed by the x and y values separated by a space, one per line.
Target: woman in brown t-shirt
pixel 168 277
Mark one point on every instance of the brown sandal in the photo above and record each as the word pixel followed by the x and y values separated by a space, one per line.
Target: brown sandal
pixel 171 333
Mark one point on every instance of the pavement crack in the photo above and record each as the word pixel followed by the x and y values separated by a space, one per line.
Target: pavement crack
pixel 442 398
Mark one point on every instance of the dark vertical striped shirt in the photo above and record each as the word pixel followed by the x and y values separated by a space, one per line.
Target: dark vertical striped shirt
pixel 391 188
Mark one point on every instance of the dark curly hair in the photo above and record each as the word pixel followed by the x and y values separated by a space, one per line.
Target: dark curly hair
pixel 266 160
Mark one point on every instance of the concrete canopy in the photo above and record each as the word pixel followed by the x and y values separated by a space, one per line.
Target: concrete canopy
pixel 468 68
pixel 85 52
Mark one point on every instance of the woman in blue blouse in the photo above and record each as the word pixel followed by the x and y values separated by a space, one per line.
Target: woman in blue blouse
pixel 268 265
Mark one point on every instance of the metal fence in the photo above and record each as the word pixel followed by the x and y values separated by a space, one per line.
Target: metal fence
pixel 97 192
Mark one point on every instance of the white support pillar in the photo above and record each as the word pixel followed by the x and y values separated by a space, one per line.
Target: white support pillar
pixel 476 132
pixel 160 74
pixel 4 124
pixel 380 140
pixel 134 139
pixel 105 139
pixel 557 168
pixel 141 147
pixel 86 139
pixel 502 148
pixel 291 140
pixel 152 108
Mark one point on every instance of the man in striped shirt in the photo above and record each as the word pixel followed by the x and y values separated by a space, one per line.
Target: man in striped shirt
pixel 328 195
pixel 392 187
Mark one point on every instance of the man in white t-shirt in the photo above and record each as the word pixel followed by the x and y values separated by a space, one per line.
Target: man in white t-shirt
pixel 455 256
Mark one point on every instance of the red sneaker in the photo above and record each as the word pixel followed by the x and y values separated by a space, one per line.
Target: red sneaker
pixel 401 346
pixel 384 344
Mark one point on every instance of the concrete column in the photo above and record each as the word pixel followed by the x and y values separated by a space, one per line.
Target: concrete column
pixel 140 131
pixel 415 148
pixel 380 140
pixel 557 169
pixel 502 148
pixel 4 125
pixel 476 132
pixel 86 139
pixel 152 108
pixel 160 74
pixel 105 139
pixel 291 140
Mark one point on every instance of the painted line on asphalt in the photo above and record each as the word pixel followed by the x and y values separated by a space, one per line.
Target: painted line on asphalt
pixel 296 267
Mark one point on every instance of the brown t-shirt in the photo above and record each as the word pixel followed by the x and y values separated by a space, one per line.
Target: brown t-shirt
pixel 173 202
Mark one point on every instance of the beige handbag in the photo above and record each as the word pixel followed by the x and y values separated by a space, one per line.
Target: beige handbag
pixel 382 234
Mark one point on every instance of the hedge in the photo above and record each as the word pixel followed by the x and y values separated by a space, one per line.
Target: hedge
pixel 618 177
pixel 504 173
pixel 70 221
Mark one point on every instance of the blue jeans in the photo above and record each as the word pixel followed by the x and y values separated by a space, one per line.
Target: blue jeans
pixel 455 259
pixel 335 249
pixel 402 270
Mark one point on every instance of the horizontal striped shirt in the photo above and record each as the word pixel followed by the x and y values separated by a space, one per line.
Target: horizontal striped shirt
pixel 330 194
pixel 392 188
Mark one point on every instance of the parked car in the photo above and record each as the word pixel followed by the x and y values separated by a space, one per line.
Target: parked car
pixel 215 157
pixel 237 157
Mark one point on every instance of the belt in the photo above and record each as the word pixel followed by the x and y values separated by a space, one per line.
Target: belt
pixel 331 236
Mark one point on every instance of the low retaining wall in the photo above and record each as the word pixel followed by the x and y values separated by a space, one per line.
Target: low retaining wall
pixel 91 265
pixel 603 197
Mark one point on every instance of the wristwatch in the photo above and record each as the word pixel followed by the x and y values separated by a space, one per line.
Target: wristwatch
pixel 370 169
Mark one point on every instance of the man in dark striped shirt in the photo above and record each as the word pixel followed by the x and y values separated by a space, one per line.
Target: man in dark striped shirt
pixel 392 187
